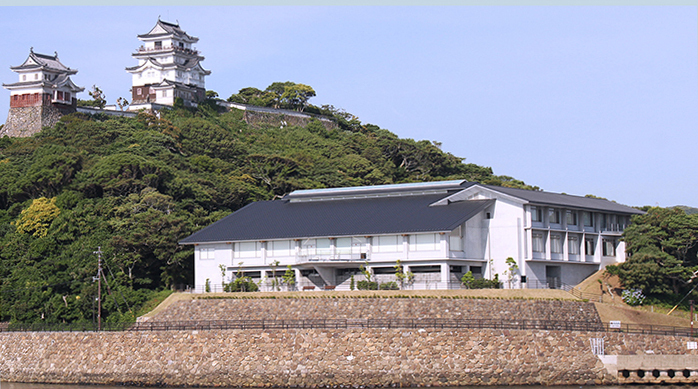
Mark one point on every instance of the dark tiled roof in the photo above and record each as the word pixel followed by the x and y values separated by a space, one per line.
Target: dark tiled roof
pixel 282 219
pixel 564 200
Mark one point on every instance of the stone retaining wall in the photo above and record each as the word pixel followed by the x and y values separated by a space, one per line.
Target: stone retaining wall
pixel 313 358
pixel 377 308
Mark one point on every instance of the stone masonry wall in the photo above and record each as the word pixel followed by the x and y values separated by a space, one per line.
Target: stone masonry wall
pixel 27 121
pixel 313 358
pixel 377 308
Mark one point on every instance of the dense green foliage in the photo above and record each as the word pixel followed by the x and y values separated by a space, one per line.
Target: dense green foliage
pixel 662 248
pixel 134 187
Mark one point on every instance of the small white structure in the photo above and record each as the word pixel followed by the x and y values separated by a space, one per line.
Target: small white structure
pixel 42 93
pixel 168 67
pixel 437 230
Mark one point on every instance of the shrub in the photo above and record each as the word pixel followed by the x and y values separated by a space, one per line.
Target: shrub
pixel 481 283
pixel 242 284
pixel 391 285
pixel 367 285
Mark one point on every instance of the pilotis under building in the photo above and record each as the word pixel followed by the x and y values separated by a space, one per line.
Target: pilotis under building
pixel 43 93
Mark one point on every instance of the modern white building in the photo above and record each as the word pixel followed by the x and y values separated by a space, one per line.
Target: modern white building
pixel 438 231
pixel 168 67
pixel 42 93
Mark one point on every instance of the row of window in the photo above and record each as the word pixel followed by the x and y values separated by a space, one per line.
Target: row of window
pixel 573 245
pixel 555 216
pixel 350 245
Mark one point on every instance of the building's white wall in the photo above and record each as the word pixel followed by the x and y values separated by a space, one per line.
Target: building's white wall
pixel 210 268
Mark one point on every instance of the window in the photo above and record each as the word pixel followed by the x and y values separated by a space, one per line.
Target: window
pixel 279 248
pixel 423 242
pixel 247 249
pixel 387 243
pixel 138 91
pixel 207 253
pixel 158 44
pixel 571 218
pixel 556 244
pixel 67 96
pixel 573 245
pixel 456 239
pixel 308 246
pixel 536 214
pixel 343 245
pixel 24 77
pixel 554 216
pixel 323 246
pixel 164 93
pixel 589 246
pixel 609 248
pixel 538 244
pixel 36 76
pixel 588 219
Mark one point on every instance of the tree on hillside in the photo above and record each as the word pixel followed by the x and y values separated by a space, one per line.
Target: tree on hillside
pixel 662 247
pixel 296 96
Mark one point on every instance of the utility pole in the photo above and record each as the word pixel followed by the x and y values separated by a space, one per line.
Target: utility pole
pixel 691 301
pixel 99 287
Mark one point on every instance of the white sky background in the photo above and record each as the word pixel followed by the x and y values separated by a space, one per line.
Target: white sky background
pixel 581 100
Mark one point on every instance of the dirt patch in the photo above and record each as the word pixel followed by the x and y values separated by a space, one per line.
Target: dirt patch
pixel 609 312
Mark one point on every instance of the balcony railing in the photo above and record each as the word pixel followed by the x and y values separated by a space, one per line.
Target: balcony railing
pixel 332 257
pixel 144 49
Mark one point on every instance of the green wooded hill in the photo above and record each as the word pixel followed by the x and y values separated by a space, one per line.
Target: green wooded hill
pixel 134 187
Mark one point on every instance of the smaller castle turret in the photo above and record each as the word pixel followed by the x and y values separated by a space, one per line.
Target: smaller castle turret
pixel 168 67
pixel 43 93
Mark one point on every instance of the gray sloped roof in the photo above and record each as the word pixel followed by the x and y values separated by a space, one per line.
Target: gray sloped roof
pixel 282 219
pixel 564 200
pixel 43 61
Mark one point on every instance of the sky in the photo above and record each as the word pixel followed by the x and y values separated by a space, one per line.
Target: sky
pixel 598 100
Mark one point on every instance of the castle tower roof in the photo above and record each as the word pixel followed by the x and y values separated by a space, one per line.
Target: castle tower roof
pixel 37 61
pixel 167 29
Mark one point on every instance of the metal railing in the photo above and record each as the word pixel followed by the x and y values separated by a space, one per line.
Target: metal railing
pixel 398 323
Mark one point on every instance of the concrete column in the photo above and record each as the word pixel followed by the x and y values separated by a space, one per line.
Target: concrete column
pixel 444 244
pixel 369 248
pixel 298 277
pixel 405 246
pixel 264 252
pixel 445 275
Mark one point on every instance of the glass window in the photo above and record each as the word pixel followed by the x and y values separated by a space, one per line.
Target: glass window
pixel 308 247
pixel 536 214
pixel 556 244
pixel 588 219
pixel 571 218
pixel 207 253
pixel 609 247
pixel 589 246
pixel 387 244
pixel 343 245
pixel 554 216
pixel 247 249
pixel 456 240
pixel 423 242
pixel 538 244
pixel 573 245
pixel 279 248
pixel 323 246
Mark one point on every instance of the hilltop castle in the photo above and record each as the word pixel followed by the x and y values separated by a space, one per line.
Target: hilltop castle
pixel 168 68
pixel 42 95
